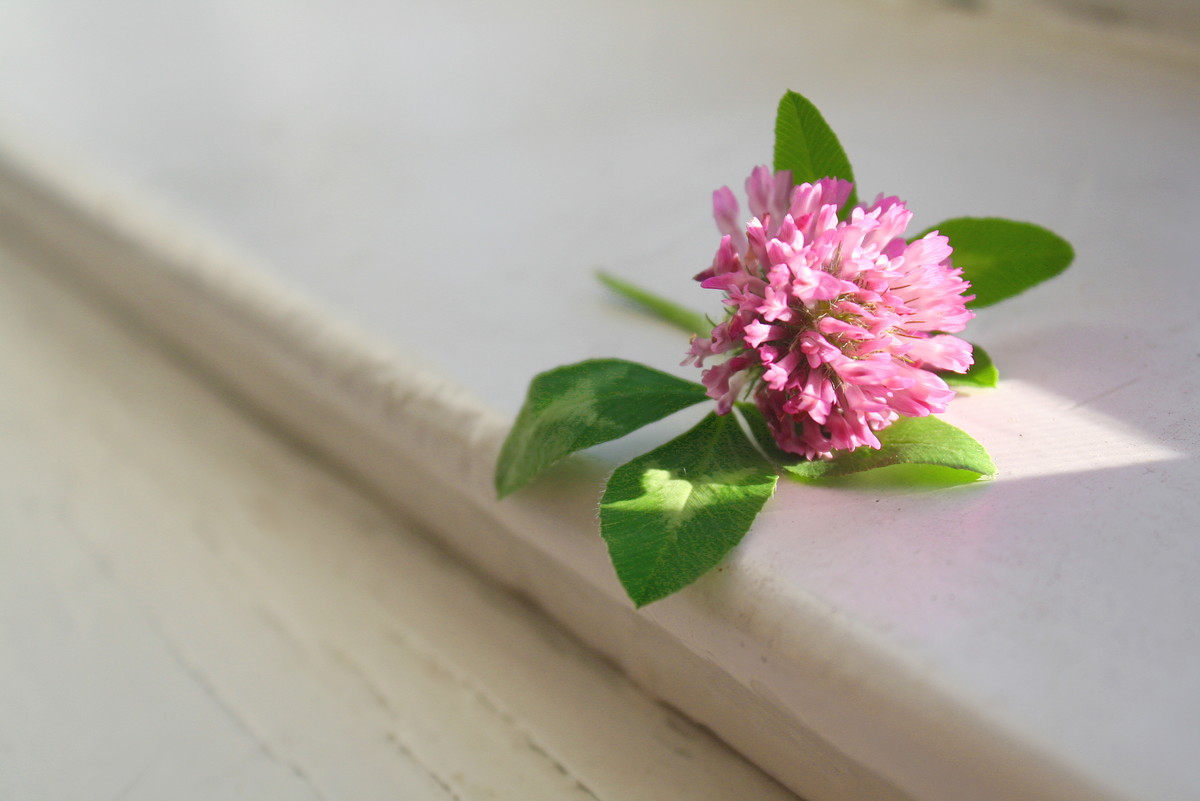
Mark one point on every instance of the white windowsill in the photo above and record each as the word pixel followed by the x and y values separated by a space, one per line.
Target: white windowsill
pixel 194 608
pixel 1027 638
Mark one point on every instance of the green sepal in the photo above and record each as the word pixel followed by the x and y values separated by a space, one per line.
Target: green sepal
pixel 671 515
pixel 580 405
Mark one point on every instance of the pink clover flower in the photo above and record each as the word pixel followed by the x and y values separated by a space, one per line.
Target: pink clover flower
pixel 835 327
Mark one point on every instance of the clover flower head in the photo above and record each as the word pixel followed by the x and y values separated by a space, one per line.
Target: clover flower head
pixel 835 326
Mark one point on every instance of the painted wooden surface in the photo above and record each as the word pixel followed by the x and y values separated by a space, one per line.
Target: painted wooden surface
pixel 424 171
pixel 191 607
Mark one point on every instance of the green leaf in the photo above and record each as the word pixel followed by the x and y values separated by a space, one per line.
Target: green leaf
pixel 1002 258
pixel 909 440
pixel 690 321
pixel 580 405
pixel 983 372
pixel 671 515
pixel 762 434
pixel 806 145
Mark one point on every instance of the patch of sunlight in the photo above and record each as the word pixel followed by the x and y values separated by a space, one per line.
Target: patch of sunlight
pixel 1033 432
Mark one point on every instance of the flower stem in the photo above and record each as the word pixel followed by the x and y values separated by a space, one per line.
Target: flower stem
pixel 685 319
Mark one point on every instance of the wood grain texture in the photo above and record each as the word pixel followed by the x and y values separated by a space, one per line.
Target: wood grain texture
pixel 190 608
pixel 1031 637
